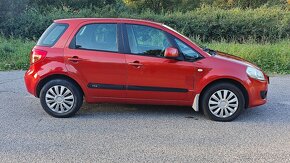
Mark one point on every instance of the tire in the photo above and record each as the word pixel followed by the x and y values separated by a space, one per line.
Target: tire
pixel 222 102
pixel 61 98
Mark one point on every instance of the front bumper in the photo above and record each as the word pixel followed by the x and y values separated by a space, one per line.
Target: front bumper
pixel 257 91
pixel 263 94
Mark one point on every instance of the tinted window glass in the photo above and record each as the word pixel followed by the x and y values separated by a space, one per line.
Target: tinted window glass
pixel 187 51
pixel 52 34
pixel 97 37
pixel 144 40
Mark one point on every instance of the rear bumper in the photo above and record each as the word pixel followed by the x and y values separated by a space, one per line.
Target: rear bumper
pixel 31 79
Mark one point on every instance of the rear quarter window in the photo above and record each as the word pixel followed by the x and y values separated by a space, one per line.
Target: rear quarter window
pixel 52 34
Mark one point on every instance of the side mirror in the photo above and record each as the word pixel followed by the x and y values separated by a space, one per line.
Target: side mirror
pixel 171 53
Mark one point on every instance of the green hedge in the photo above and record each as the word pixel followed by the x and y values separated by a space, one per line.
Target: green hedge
pixel 271 57
pixel 14 53
pixel 206 23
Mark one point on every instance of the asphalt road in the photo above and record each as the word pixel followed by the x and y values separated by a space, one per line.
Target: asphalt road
pixel 138 133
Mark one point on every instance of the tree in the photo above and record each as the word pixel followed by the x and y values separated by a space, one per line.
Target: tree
pixel 165 5
pixel 75 4
pixel 11 8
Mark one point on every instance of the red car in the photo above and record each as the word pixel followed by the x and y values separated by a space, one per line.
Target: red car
pixel 138 62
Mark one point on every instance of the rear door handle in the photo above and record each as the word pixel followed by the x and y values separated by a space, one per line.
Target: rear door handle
pixel 135 64
pixel 74 59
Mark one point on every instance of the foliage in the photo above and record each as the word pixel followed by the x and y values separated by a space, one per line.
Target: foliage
pixel 247 3
pixel 260 25
pixel 11 8
pixel 208 23
pixel 156 5
pixel 185 5
pixel 14 53
pixel 74 4
pixel 271 57
pixel 229 21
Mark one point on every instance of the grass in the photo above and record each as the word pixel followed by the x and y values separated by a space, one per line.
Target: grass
pixel 273 58
pixel 14 53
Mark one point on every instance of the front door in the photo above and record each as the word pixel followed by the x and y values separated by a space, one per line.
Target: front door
pixel 150 75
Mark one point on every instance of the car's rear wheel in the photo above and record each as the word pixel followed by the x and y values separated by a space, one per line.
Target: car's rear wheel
pixel 223 102
pixel 61 98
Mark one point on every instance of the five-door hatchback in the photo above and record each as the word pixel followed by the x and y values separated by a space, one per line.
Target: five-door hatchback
pixel 138 62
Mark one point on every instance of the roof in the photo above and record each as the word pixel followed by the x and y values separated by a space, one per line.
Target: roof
pixel 116 20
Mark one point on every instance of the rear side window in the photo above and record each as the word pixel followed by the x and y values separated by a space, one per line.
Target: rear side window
pixel 52 34
pixel 101 37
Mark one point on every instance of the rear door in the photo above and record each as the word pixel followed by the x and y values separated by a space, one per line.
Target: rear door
pixel 94 56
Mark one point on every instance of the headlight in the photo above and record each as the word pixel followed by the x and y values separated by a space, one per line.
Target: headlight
pixel 255 73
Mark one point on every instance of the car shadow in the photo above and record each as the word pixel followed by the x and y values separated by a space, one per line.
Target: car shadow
pixel 261 114
pixel 91 110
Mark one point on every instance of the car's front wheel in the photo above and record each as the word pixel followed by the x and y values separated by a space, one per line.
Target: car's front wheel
pixel 61 98
pixel 223 102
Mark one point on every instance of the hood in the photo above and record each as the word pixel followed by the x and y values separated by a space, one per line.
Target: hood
pixel 236 59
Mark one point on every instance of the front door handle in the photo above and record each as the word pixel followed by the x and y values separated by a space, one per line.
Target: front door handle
pixel 74 59
pixel 135 64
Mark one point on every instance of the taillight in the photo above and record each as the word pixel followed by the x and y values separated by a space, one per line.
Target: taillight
pixel 37 55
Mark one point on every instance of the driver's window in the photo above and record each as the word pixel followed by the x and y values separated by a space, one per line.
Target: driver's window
pixel 148 41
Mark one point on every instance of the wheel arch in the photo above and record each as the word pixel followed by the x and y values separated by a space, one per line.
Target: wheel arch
pixel 43 81
pixel 231 81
